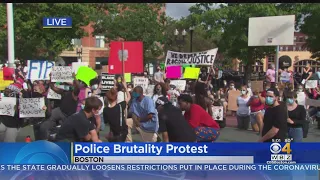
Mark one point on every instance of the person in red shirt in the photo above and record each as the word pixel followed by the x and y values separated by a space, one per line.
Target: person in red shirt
pixel 205 127
pixel 257 106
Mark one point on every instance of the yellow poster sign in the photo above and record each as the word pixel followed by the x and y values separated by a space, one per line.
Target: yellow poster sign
pixel 191 73
pixel 4 83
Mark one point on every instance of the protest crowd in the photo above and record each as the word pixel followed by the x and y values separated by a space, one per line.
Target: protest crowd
pixel 74 104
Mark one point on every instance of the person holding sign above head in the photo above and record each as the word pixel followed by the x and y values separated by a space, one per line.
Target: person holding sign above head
pixel 78 128
pixel 10 125
pixel 205 127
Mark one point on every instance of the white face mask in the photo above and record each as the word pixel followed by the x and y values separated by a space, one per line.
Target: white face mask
pixel 129 89
pixel 82 106
pixel 243 92
pixel 231 87
pixel 94 87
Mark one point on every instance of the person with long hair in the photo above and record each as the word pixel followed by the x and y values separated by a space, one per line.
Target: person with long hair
pixel 159 91
pixel 201 97
pixel 243 112
pixel 256 104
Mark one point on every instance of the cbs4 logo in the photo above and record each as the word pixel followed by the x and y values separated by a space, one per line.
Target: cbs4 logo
pixel 276 148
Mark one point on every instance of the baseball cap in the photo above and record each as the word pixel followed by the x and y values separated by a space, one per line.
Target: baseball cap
pixel 161 101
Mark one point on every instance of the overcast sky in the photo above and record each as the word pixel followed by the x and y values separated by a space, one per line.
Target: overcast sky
pixel 178 10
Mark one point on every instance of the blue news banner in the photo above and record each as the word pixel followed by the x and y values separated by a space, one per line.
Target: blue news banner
pixel 47 160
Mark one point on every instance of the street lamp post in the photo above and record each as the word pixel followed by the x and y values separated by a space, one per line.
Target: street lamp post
pixel 180 42
pixel 191 36
pixel 79 53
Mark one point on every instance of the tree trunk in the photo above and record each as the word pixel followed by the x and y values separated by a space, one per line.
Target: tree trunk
pixel 247 72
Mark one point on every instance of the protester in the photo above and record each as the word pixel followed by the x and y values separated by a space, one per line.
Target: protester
pixel 201 98
pixel 172 124
pixel 114 115
pixel 307 74
pixel 275 118
pixel 19 75
pixel 243 112
pixel 120 88
pixel 78 127
pixel 205 127
pixel 271 75
pixel 158 76
pixel 296 119
pixel 256 104
pixel 204 75
pixel 144 116
pixel 159 91
pixel 231 88
pixel 10 126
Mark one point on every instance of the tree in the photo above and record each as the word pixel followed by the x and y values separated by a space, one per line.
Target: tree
pixel 227 26
pixel 133 22
pixel 34 42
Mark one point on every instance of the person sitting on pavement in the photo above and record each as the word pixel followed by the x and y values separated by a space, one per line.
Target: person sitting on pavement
pixel 78 128
pixel 205 127
pixel 172 124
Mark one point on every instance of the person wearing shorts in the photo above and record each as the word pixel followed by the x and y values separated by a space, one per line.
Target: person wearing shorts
pixel 256 104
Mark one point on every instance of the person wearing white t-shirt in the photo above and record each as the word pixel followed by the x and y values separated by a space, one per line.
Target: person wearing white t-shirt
pixel 158 76
pixel 243 112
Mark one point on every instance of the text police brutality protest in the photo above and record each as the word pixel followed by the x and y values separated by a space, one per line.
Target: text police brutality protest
pixel 205 58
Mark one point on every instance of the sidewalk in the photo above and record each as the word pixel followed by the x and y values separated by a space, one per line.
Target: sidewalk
pixel 231 121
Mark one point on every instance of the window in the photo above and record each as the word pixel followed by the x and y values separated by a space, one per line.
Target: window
pixel 299 48
pixel 76 42
pixel 281 48
pixel 100 41
pixel 298 67
pixel 294 48
pixel 258 67
pixel 295 38
pixel 300 39
pixel 271 59
pixel 287 48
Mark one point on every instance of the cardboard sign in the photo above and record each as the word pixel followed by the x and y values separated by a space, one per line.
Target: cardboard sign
pixel 311 84
pixel 8 73
pixel 173 72
pixel 77 65
pixel 313 102
pixel 180 84
pixel 141 81
pixel 217 113
pixel 39 70
pixel 205 58
pixel 107 81
pixel 301 98
pixel 53 95
pixel 7 106
pixel 31 107
pixel 191 73
pixel 257 86
pixel 61 74
pixel 232 100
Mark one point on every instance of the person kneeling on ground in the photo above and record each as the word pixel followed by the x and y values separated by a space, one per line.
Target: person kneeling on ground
pixel 205 127
pixel 172 124
pixel 78 127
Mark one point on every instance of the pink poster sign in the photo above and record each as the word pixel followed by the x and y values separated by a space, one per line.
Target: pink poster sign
pixel 173 72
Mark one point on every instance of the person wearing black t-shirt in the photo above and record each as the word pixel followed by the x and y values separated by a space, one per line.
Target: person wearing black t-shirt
pixel 307 74
pixel 203 76
pixel 275 118
pixel 172 124
pixel 78 128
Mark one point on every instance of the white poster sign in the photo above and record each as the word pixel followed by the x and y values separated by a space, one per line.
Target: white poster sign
pixel 76 65
pixel 61 74
pixel 53 95
pixel 180 84
pixel 217 113
pixel 311 84
pixel 204 58
pixel 285 76
pixel 7 106
pixel 301 98
pixel 141 81
pixel 39 70
pixel 31 107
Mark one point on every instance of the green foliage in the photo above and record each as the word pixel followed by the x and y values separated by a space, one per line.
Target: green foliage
pixel 34 42
pixel 132 22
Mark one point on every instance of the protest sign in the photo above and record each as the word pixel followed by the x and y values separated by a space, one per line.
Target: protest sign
pixel 180 84
pixel 217 113
pixel 4 83
pixel 8 73
pixel 53 95
pixel 313 102
pixel 107 81
pixel 311 84
pixel 127 77
pixel 257 86
pixel 173 72
pixel 149 91
pixel 204 58
pixel 31 107
pixel 141 81
pixel 7 106
pixel 85 74
pixel 301 98
pixel 77 65
pixel 39 70
pixel 285 76
pixel 191 73
pixel 232 100
pixel 61 74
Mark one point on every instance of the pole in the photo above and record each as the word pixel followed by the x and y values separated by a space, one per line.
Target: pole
pixel 10 35
pixel 191 36
pixel 277 64
pixel 122 58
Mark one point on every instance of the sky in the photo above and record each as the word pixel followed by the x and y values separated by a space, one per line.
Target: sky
pixel 178 10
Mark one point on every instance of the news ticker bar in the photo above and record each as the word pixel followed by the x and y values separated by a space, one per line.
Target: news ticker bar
pixel 163 159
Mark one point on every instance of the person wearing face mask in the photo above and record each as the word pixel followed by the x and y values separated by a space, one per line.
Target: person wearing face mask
pixel 144 116
pixel 256 104
pixel 77 128
pixel 243 112
pixel 275 118
pixel 307 74
pixel 158 76
pixel 296 119
pixel 10 125
pixel 231 88
pixel 159 91
pixel 271 74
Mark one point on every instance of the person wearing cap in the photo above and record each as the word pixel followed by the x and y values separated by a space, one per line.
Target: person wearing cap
pixel 172 124
pixel 275 118
pixel 205 127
